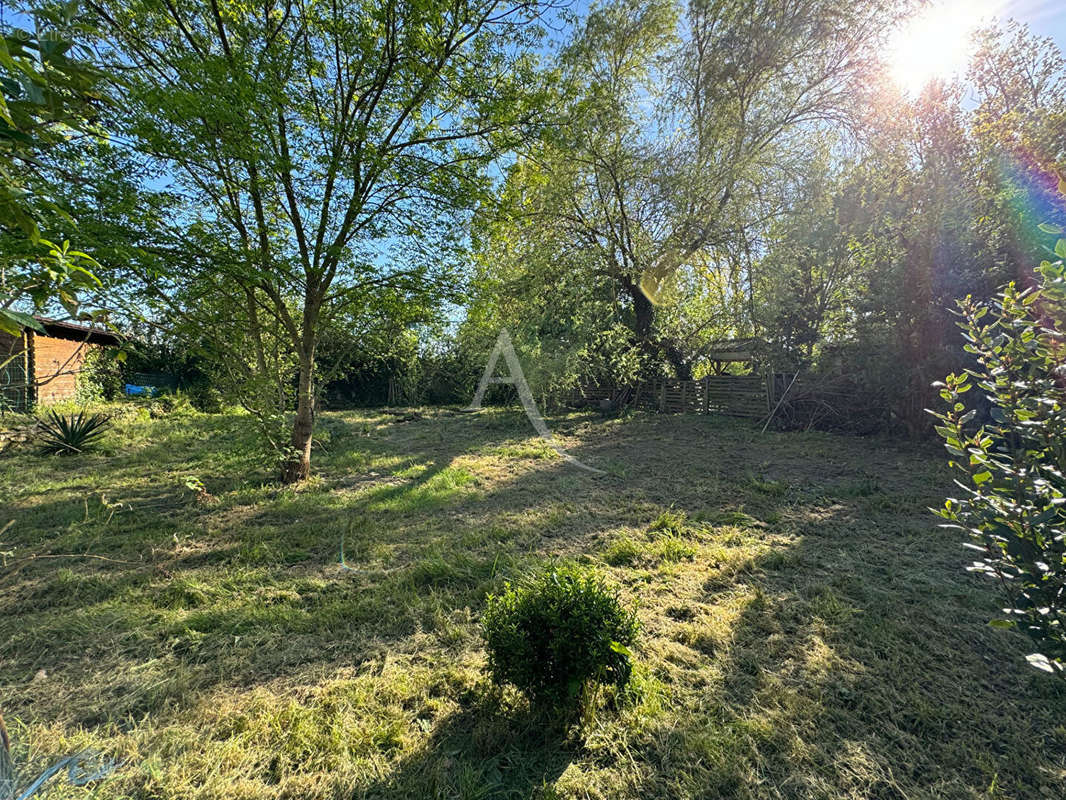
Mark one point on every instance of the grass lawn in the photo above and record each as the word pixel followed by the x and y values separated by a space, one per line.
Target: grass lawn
pixel 808 632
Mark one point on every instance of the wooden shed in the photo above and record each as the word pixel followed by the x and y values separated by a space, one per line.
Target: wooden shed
pixel 725 351
pixel 42 368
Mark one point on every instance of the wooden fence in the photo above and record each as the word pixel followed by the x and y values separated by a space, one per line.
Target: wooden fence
pixel 735 395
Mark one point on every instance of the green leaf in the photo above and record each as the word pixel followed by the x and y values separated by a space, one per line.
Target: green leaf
pixel 14 321
pixel 1060 248
pixel 1048 227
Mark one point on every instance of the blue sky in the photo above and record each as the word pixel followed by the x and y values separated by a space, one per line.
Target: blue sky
pixel 1046 17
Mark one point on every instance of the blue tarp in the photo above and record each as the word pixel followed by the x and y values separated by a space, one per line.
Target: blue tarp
pixel 151 391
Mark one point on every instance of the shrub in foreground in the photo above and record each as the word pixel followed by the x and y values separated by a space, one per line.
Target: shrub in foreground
pixel 557 633
pixel 1010 469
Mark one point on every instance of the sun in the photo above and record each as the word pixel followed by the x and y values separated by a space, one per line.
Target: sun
pixel 936 42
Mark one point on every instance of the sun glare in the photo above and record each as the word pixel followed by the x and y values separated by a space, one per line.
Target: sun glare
pixel 936 42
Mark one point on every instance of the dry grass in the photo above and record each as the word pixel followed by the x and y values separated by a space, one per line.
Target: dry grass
pixel 808 632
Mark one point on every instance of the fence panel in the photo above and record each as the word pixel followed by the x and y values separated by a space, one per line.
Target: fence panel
pixel 14 389
pixel 735 395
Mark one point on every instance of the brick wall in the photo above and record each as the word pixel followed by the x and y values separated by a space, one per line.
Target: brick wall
pixel 56 363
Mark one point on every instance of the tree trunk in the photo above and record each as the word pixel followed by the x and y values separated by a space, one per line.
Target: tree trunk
pixel 644 328
pixel 676 359
pixel 297 465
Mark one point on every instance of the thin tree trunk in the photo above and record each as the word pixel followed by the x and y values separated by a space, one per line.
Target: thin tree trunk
pixel 297 465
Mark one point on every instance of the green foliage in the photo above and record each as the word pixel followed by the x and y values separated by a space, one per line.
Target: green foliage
pixel 100 376
pixel 387 361
pixel 48 89
pixel 205 398
pixel 1010 466
pixel 330 155
pixel 169 403
pixel 557 633
pixel 622 552
pixel 66 435
pixel 862 269
pixel 635 210
pixel 669 522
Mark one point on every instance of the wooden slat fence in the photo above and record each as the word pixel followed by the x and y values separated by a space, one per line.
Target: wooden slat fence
pixel 735 395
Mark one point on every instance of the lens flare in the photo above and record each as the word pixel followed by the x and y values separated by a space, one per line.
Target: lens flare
pixel 936 42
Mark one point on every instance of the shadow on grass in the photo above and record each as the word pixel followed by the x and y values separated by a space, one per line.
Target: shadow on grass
pixel 485 749
pixel 861 666
pixel 858 664
pixel 250 600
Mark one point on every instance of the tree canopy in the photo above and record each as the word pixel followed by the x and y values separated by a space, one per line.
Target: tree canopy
pixel 321 150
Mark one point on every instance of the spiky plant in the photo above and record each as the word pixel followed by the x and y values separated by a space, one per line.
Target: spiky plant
pixel 66 435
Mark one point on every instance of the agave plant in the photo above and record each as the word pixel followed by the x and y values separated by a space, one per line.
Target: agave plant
pixel 73 434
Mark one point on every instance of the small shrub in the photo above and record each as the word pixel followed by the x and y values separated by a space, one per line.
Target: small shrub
pixel 670 531
pixel 1012 503
pixel 670 522
pixel 622 552
pixel 100 376
pixel 64 435
pixel 674 549
pixel 205 398
pixel 167 403
pixel 194 484
pixel 557 633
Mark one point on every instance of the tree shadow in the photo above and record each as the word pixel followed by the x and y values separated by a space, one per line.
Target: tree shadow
pixel 860 665
pixel 303 610
pixel 490 747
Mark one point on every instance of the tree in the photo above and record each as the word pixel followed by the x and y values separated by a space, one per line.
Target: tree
pixel 312 141
pixel 870 258
pixel 911 206
pixel 675 125
pixel 807 275
pixel 1019 126
pixel 49 90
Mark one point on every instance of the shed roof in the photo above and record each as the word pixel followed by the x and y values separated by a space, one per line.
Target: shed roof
pixel 732 349
pixel 93 334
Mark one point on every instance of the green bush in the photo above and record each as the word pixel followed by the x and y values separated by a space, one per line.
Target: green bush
pixel 168 403
pixel 1010 460
pixel 670 523
pixel 205 398
pixel 100 377
pixel 557 633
